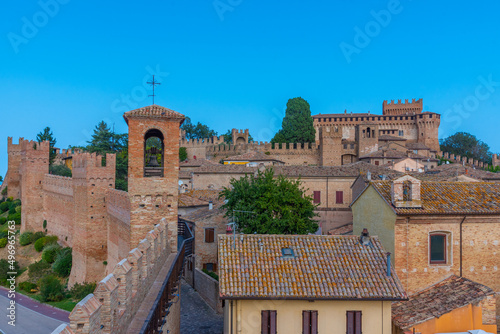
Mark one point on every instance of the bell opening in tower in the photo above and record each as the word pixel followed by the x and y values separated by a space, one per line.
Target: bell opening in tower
pixel 153 153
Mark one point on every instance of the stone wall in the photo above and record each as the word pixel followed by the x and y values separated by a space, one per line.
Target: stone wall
pixel 118 209
pixel 117 297
pixel 208 289
pixel 12 178
pixel 467 161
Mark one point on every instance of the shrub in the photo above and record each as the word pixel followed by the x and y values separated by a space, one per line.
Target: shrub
pixel 18 209
pixel 10 199
pixel 63 262
pixel 39 244
pixel 50 239
pixel 37 270
pixel 44 224
pixel 15 217
pixel 51 289
pixel 50 252
pixel 36 236
pixel 5 267
pixel 61 170
pixel 80 291
pixel 4 191
pixel 211 274
pixel 27 286
pixel 3 220
pixel 26 238
pixel 3 242
pixel 4 206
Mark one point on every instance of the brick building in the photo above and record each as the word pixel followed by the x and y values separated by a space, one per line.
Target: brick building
pixel 435 229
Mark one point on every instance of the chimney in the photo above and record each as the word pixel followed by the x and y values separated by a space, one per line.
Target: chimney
pixel 365 237
pixel 210 205
pixel 369 175
pixel 388 263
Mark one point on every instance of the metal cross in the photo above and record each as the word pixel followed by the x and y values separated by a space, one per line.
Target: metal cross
pixel 153 83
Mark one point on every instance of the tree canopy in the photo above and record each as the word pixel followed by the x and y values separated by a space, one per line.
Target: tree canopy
pixel 297 126
pixel 266 204
pixel 466 145
pixel 197 131
pixel 47 135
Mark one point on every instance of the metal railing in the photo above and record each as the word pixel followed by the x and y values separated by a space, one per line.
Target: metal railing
pixel 157 317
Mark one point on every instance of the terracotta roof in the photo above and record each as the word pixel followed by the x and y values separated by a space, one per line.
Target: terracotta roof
pixel 322 267
pixel 252 156
pixel 448 171
pixel 391 138
pixel 184 174
pixel 189 201
pixel 153 111
pixel 225 169
pixel 342 230
pixel 467 198
pixel 416 146
pixel 197 163
pixel 205 194
pixel 396 154
pixel 203 213
pixel 437 300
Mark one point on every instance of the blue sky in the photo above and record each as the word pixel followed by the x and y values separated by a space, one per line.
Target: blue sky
pixel 235 63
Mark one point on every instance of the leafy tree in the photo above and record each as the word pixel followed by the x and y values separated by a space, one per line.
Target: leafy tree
pixel 297 126
pixel 197 131
pixel 47 135
pixel 51 289
pixel 1 178
pixel 61 170
pixel 63 262
pixel 266 204
pixel 182 153
pixel 228 137
pixel 466 145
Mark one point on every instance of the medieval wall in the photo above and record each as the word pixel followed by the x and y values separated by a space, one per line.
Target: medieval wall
pixel 12 178
pixel 467 161
pixel 58 207
pixel 496 160
pixel 118 209
pixel 402 108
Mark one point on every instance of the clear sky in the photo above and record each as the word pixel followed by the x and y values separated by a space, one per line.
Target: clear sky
pixel 69 64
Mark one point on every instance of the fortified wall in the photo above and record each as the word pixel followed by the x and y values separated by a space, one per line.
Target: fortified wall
pixel 496 160
pixel 467 161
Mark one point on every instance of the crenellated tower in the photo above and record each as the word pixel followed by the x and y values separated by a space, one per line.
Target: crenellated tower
pixel 93 176
pixel 34 164
pixel 13 178
pixel 402 108
pixel 153 170
pixel 240 136
pixel 428 129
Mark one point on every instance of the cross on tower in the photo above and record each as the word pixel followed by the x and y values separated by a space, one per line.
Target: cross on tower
pixel 153 83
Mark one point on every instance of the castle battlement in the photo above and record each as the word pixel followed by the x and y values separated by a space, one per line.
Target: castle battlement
pixel 58 184
pixel 201 142
pixel 402 108
pixel 93 160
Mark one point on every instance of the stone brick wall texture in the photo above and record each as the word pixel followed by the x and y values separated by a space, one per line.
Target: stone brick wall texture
pixel 208 289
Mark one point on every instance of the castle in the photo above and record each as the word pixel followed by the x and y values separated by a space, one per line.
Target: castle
pixel 340 138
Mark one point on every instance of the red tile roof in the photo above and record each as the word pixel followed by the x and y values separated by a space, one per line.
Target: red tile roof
pixel 252 156
pixel 323 267
pixel 437 300
pixel 153 111
pixel 464 198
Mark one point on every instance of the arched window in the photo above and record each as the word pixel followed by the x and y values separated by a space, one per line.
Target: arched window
pixel 153 153
pixel 368 133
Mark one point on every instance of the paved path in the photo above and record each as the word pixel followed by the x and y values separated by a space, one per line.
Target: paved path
pixel 196 316
pixel 31 317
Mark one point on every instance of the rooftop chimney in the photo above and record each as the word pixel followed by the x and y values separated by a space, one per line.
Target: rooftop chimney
pixel 210 205
pixel 365 237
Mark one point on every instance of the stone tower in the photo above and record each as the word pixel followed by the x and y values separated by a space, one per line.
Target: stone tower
pixel 13 178
pixel 240 136
pixel 34 165
pixel 153 170
pixel 367 138
pixel 428 129
pixel 496 160
pixel 92 179
pixel 330 141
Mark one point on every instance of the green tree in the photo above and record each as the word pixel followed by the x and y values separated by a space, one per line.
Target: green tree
pixel 466 145
pixel 297 126
pixel 61 170
pixel 197 131
pixel 1 179
pixel 182 153
pixel 47 135
pixel 266 204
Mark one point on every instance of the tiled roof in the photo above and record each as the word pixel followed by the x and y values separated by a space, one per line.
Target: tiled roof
pixel 153 111
pixel 448 171
pixel 391 138
pixel 416 146
pixel 441 298
pixel 197 163
pixel 323 267
pixel 188 201
pixel 342 230
pixel 396 154
pixel 252 156
pixel 203 213
pixel 184 174
pixel 467 198
pixel 205 194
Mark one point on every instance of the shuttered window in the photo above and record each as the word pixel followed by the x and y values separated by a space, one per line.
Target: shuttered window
pixel 339 197
pixel 309 322
pixel 209 235
pixel 268 322
pixel 317 197
pixel 353 322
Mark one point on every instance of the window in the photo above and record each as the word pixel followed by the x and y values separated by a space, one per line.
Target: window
pixel 401 133
pixel 210 267
pixel 339 198
pixel 268 322
pixel 353 322
pixel 209 235
pixel 437 248
pixel 376 162
pixel 317 197
pixel 310 322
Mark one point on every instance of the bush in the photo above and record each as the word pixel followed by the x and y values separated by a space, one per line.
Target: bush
pixel 5 267
pixel 3 242
pixel 50 252
pixel 51 289
pixel 37 270
pixel 80 291
pixel 39 244
pixel 63 262
pixel 27 286
pixel 4 191
pixel 50 239
pixel 26 238
pixel 44 224
pixel 15 217
pixel 37 236
pixel 4 206
pixel 18 209
pixel 211 274
pixel 61 170
pixel 182 153
pixel 3 220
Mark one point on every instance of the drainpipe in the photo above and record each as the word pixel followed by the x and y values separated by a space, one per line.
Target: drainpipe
pixel 232 317
pixel 461 240
pixel 407 251
pixel 327 192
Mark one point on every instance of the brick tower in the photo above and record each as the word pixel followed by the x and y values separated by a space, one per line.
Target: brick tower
pixel 330 145
pixel 34 165
pixel 91 182
pixel 495 161
pixel 240 136
pixel 367 138
pixel 428 129
pixel 13 179
pixel 153 170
